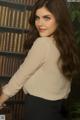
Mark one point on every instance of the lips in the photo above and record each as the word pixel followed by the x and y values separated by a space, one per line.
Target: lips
pixel 42 30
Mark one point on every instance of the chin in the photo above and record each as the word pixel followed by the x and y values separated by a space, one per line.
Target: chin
pixel 43 35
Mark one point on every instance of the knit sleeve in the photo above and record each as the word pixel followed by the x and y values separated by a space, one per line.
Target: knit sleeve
pixel 34 60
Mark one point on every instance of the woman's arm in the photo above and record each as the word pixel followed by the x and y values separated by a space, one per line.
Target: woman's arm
pixel 34 60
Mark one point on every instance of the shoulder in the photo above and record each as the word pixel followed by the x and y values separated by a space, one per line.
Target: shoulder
pixel 42 40
pixel 40 44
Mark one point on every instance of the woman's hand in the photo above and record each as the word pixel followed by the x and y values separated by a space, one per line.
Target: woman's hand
pixel 3 99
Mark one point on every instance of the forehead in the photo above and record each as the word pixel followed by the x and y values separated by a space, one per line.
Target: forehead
pixel 43 11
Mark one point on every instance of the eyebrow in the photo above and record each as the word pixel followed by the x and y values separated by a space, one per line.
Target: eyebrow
pixel 43 16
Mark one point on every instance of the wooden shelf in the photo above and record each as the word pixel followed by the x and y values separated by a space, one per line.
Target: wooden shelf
pixel 17 6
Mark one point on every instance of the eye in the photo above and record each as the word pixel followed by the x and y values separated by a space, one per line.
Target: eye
pixel 47 18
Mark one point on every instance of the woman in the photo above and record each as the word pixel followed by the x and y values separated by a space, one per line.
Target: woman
pixel 52 60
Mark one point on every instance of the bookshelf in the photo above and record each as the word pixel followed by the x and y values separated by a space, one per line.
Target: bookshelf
pixel 14 16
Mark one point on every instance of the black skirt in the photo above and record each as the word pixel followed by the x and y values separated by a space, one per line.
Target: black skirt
pixel 37 108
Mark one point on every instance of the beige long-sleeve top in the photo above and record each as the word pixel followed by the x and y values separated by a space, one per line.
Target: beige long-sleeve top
pixel 39 74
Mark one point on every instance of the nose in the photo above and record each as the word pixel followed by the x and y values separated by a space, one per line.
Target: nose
pixel 40 23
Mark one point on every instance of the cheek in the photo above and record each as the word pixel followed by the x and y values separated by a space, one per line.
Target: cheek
pixel 52 24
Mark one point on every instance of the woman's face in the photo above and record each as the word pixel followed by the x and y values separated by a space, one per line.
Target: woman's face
pixel 45 22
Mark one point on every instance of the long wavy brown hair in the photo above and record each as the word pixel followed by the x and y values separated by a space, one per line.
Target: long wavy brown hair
pixel 64 35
